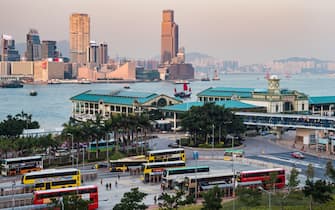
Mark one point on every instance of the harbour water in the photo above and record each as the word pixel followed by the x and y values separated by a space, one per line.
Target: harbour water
pixel 52 106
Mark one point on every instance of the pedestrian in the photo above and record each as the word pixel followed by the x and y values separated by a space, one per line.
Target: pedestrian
pixel 155 199
pixel 115 183
pixel 118 176
pixel 101 181
pixel 110 186
pixel 106 186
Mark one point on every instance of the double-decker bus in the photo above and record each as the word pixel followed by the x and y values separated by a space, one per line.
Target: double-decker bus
pixel 101 146
pixel 125 164
pixel 85 192
pixel 166 155
pixel 171 174
pixel 264 176
pixel 52 178
pixel 158 168
pixel 232 152
pixel 22 165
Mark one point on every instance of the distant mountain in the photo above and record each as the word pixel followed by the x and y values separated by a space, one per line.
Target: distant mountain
pixel 300 59
pixel 62 45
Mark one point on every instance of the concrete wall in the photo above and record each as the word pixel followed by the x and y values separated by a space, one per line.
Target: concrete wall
pixel 44 71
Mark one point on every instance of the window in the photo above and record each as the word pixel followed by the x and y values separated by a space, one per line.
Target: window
pixel 117 108
pixel 302 107
pixel 112 108
pixel 124 109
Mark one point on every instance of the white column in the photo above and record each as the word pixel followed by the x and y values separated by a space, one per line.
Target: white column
pixel 175 121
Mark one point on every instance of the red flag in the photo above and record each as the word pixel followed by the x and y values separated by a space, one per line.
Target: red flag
pixel 185 87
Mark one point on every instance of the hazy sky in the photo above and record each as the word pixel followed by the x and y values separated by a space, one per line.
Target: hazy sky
pixel 252 31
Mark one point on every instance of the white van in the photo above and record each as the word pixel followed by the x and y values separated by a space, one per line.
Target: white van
pixel 61 152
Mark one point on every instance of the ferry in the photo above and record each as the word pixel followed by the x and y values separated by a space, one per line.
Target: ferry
pixel 180 82
pixel 33 93
pixel 11 84
pixel 84 81
pixel 54 82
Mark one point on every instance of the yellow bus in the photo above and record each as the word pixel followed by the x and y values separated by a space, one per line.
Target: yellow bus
pixel 52 178
pixel 150 169
pixel 166 155
pixel 124 165
pixel 22 165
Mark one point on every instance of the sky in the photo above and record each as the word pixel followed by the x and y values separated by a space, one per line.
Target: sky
pixel 251 31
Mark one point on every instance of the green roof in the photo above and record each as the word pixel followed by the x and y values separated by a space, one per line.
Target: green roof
pixel 322 100
pixel 230 91
pixel 229 104
pixel 115 97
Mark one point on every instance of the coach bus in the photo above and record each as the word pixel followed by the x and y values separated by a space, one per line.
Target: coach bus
pixel 264 176
pixel 171 174
pixel 52 178
pixel 89 192
pixel 158 168
pixel 101 146
pixel 166 155
pixel 22 165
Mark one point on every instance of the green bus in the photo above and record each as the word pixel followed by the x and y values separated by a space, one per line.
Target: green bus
pixel 102 146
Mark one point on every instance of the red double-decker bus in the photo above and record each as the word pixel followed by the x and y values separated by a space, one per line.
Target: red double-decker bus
pixel 264 176
pixel 86 192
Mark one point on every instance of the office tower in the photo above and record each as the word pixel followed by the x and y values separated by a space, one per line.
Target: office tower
pixel 92 52
pixel 103 53
pixel 79 37
pixel 8 51
pixel 49 49
pixel 169 37
pixel 34 50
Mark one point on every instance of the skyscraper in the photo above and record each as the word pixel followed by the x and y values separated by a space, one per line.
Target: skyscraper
pixel 8 51
pixel 49 49
pixel 92 52
pixel 103 53
pixel 34 50
pixel 169 37
pixel 79 37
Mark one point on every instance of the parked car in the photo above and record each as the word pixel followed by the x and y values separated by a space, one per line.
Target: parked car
pixel 174 145
pixel 297 155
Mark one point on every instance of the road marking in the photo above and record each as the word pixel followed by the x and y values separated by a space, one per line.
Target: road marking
pixel 300 162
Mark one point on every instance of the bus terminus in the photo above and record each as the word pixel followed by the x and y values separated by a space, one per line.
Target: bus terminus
pixel 52 178
pixel 150 169
pixel 22 165
pixel 166 155
pixel 89 192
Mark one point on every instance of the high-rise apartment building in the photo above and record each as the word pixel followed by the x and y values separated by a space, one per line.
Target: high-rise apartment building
pixel 49 49
pixel 169 37
pixel 103 53
pixel 34 49
pixel 79 37
pixel 8 51
pixel 92 53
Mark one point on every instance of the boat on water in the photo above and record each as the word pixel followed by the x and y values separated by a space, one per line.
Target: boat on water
pixel 216 75
pixel 186 93
pixel 205 79
pixel 54 82
pixel 180 82
pixel 84 81
pixel 33 93
pixel 11 84
pixel 126 87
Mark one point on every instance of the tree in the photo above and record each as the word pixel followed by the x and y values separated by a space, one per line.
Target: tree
pixel 212 199
pixel 132 200
pixel 70 202
pixel 173 200
pixel 273 179
pixel 330 172
pixel 310 171
pixel 318 191
pixel 250 197
pixel 13 126
pixel 293 179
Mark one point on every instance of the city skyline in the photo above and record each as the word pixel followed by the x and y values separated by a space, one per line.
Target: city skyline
pixel 251 32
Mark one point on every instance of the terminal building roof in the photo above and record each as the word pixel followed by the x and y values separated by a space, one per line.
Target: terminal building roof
pixel 229 104
pixel 115 97
pixel 230 91
pixel 315 100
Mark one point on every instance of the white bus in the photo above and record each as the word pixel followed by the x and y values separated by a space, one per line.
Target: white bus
pixel 22 165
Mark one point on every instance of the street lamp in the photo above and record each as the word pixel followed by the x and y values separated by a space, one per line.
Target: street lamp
pixel 269 194
pixel 213 141
pixel 72 156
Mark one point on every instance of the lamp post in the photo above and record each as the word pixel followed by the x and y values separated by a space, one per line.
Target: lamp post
pixel 72 156
pixel 269 194
pixel 213 141
pixel 13 200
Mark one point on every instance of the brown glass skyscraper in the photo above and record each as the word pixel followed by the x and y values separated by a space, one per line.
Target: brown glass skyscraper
pixel 79 37
pixel 169 45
